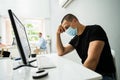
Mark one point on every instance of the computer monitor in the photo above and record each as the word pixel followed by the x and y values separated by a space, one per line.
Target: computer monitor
pixel 21 39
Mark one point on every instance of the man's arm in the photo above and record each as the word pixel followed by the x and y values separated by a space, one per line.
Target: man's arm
pixel 94 52
pixel 62 50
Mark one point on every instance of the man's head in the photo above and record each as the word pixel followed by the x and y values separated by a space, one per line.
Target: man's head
pixel 70 24
pixel 69 20
pixel 40 34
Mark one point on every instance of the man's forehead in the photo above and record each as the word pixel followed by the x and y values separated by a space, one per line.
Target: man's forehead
pixel 65 23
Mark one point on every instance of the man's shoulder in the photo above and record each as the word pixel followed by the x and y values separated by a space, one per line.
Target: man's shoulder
pixel 94 26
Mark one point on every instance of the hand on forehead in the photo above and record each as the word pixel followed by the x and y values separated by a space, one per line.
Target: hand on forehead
pixel 65 24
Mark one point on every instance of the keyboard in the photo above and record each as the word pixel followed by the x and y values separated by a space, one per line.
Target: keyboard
pixel 44 62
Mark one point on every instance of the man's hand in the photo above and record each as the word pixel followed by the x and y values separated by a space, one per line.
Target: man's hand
pixel 60 30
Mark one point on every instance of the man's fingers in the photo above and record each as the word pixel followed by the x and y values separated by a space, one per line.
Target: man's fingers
pixel 62 29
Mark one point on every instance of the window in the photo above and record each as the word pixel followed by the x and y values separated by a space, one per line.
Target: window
pixel 33 27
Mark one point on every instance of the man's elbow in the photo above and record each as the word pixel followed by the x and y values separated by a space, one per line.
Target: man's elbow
pixel 60 54
pixel 91 64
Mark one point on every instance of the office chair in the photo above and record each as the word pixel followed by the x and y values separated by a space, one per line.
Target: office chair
pixel 40 51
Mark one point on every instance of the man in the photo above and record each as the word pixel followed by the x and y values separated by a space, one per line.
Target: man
pixel 41 44
pixel 91 44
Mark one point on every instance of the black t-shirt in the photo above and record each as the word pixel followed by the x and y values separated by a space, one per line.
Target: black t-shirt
pixel 81 44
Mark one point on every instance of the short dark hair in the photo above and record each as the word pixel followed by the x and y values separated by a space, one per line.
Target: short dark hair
pixel 40 33
pixel 68 17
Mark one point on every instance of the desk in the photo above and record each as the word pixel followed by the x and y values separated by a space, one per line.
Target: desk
pixel 65 70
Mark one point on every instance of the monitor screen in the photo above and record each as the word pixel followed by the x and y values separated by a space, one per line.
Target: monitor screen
pixel 21 37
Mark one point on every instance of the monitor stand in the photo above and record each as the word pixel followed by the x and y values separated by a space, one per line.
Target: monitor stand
pixel 26 65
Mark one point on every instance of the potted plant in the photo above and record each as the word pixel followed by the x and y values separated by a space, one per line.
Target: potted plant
pixel 48 37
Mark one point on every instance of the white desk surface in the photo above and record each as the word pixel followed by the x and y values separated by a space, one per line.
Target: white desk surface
pixel 65 70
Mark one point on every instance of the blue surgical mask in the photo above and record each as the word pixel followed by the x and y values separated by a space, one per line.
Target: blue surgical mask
pixel 71 31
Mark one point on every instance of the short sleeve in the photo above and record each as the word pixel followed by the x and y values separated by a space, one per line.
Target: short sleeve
pixel 74 41
pixel 97 33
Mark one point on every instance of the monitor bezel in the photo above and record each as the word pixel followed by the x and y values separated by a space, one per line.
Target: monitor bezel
pixel 19 44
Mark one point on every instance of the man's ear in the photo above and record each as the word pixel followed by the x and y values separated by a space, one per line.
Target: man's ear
pixel 74 22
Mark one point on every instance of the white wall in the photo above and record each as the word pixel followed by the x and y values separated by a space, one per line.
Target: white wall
pixel 26 8
pixel 102 12
pixel 0 25
pixel 37 9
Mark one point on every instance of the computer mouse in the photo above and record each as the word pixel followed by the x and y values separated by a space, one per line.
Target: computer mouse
pixel 40 74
